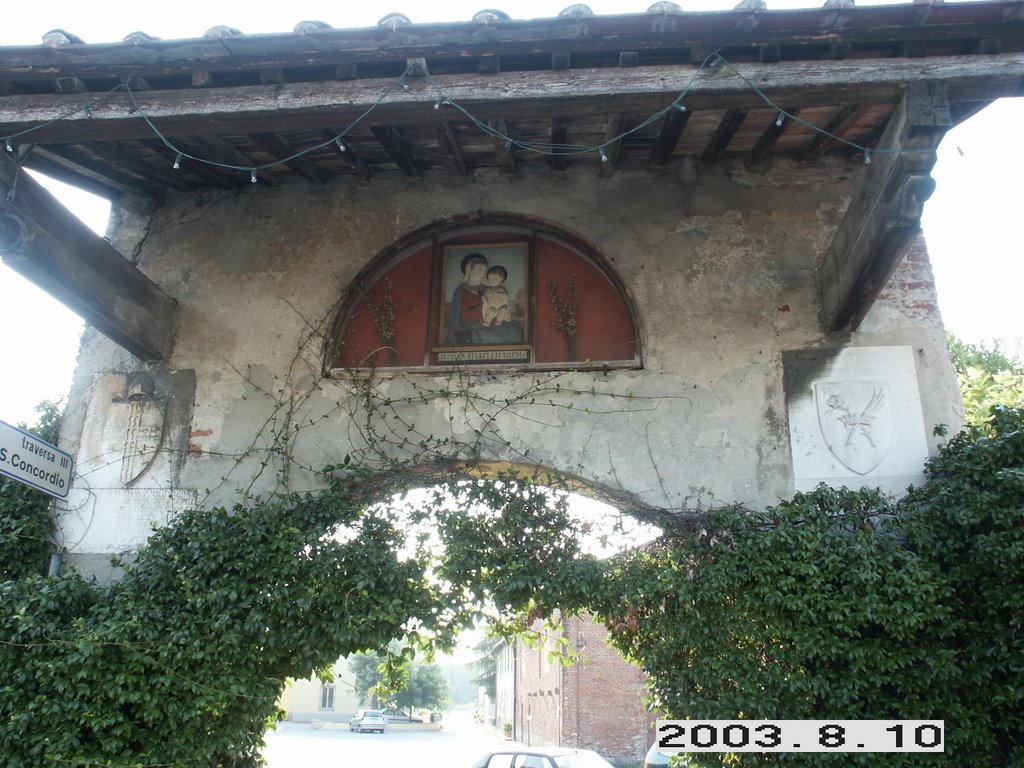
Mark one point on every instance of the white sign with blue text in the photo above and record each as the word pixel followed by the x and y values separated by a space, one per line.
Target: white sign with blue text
pixel 29 460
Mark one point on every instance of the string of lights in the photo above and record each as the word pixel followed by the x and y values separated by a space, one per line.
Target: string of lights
pixel 441 101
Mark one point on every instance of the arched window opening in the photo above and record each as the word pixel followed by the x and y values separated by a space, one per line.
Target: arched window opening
pixel 488 290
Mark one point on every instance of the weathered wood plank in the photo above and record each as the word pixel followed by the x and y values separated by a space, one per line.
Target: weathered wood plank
pixel 633 32
pixel 452 149
pixel 118 157
pixel 61 170
pixel 349 154
pixel 885 215
pixel 770 137
pixel 613 128
pixel 559 138
pixel 390 137
pixel 731 122
pixel 505 150
pixel 280 149
pixel 298 106
pixel 207 173
pixel 84 272
pixel 217 150
pixel 672 128
pixel 836 126
pixel 77 160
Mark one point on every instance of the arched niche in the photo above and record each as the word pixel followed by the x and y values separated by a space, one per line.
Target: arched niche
pixel 489 290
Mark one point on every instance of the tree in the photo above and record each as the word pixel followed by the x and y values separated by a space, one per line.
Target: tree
pixel 26 527
pixel 989 375
pixel 485 666
pixel 426 687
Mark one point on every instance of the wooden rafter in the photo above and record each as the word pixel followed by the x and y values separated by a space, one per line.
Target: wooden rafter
pixel 672 128
pixel 301 106
pixel 731 122
pixel 453 150
pixel 281 150
pixel 390 137
pixel 613 128
pixel 83 162
pixel 770 137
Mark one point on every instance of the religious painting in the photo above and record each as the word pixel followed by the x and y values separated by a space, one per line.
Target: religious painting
pixel 484 304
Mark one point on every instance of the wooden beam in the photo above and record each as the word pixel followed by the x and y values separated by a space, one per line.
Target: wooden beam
pixel 57 168
pixel 867 27
pixel 77 159
pixel 668 137
pixel 349 154
pixel 770 137
pixel 727 128
pixel 82 270
pixel 836 126
pixel 614 127
pixel 452 149
pixel 505 150
pixel 559 138
pixel 208 173
pixel 217 150
pixel 885 215
pixel 280 149
pixel 390 137
pixel 111 153
pixel 301 106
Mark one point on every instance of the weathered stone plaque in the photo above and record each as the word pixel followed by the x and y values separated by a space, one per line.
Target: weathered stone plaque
pixel 855 418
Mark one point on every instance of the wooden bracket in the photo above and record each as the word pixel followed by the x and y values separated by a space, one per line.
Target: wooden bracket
pixel 83 271
pixel 884 217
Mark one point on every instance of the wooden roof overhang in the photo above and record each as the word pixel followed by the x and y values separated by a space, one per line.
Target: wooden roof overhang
pixel 597 90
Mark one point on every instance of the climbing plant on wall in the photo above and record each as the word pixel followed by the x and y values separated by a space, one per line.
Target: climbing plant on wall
pixel 843 604
pixel 179 663
pixel 835 603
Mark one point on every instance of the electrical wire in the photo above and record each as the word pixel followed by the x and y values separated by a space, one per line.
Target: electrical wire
pixel 442 100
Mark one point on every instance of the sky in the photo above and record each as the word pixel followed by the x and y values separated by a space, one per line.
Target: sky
pixel 970 222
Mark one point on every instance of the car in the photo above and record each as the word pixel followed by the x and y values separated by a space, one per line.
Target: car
pixel 656 759
pixel 542 757
pixel 398 716
pixel 368 720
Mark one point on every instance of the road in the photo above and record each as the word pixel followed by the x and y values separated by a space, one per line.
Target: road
pixel 457 745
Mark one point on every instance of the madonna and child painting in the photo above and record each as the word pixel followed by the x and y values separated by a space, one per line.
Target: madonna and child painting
pixel 485 295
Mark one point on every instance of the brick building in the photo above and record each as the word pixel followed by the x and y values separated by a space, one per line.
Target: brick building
pixel 596 703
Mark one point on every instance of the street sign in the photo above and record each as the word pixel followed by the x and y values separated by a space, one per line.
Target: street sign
pixel 29 460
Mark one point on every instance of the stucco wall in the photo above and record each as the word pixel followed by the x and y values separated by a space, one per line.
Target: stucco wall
pixel 720 262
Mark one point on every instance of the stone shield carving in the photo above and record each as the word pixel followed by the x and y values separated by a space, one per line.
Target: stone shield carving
pixel 856 421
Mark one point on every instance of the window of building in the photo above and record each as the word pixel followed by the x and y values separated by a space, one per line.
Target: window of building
pixel 493 291
pixel 327 696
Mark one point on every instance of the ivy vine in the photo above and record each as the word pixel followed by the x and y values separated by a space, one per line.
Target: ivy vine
pixel 835 603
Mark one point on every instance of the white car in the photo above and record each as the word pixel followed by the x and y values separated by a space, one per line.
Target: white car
pixel 368 720
pixel 656 759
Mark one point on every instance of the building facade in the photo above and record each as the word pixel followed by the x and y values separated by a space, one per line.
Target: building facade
pixel 595 703
pixel 310 699
pixel 587 244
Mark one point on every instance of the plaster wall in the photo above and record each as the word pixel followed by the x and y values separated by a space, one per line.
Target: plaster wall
pixel 720 262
